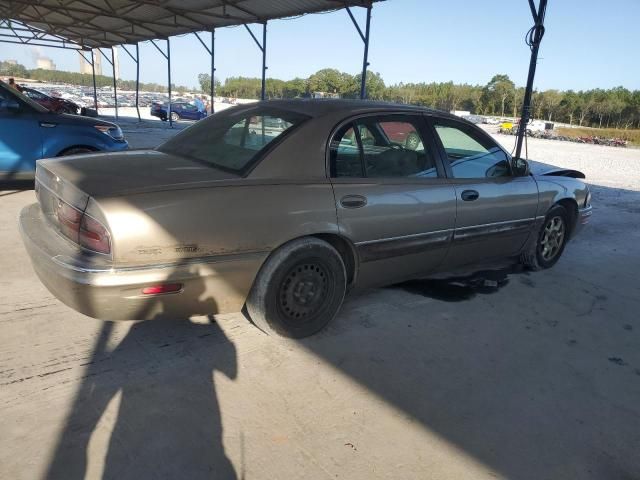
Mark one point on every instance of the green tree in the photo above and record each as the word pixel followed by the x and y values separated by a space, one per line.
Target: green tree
pixel 329 80
pixel 497 92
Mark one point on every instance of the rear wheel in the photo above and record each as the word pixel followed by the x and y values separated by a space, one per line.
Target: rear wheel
pixel 551 240
pixel 299 289
pixel 174 117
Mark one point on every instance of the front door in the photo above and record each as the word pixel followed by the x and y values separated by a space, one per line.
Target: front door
pixel 391 196
pixel 495 210
pixel 20 139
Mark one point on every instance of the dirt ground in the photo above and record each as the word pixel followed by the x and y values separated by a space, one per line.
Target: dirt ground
pixel 537 378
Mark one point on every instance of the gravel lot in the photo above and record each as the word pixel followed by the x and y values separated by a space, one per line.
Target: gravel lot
pixel 536 379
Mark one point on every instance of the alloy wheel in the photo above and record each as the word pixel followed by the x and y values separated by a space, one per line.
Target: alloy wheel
pixel 552 238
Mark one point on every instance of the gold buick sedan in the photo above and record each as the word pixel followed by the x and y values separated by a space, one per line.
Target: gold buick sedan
pixel 278 208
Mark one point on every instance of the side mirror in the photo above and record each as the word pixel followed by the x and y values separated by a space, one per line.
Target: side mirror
pixel 520 167
pixel 9 105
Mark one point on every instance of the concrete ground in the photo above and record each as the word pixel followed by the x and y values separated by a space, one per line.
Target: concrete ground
pixel 538 378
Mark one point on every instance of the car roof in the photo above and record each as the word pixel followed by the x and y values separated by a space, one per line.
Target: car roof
pixel 316 107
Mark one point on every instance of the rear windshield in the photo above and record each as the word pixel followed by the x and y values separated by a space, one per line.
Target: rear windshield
pixel 232 141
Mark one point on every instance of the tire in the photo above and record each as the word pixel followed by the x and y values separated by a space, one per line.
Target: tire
pixel 298 290
pixel 174 117
pixel 551 240
pixel 76 151
pixel 412 141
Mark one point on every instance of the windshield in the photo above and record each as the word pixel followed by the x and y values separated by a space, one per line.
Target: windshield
pixel 233 141
pixel 20 96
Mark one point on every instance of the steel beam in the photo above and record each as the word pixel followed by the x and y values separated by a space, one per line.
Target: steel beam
pixel 263 49
pixel 213 69
pixel 365 39
pixel 113 69
pixel 136 59
pixel 168 57
pixel 93 74
pixel 263 90
pixel 365 59
pixel 169 81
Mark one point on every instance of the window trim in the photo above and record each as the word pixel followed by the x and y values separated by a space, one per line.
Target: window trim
pixel 422 127
pixel 444 158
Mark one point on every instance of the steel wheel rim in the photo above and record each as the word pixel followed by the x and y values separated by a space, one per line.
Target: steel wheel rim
pixel 304 292
pixel 552 238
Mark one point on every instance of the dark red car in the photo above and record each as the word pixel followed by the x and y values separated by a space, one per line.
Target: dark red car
pixel 57 105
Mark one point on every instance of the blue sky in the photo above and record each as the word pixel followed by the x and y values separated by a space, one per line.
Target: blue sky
pixel 588 44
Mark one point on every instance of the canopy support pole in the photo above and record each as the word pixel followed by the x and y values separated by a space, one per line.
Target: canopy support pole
pixel 137 61
pixel 93 76
pixel 533 40
pixel 263 49
pixel 211 52
pixel 213 68
pixel 113 68
pixel 365 40
pixel 168 57
pixel 115 91
pixel 169 80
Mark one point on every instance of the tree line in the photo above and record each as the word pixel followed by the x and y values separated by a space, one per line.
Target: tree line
pixel 616 107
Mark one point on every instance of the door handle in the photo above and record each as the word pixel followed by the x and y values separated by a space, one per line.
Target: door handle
pixel 48 125
pixel 353 201
pixel 470 195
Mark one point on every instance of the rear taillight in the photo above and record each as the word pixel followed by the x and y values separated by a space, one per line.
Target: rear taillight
pixel 82 229
pixel 68 220
pixel 93 235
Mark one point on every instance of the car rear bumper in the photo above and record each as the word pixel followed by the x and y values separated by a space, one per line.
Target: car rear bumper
pixel 209 285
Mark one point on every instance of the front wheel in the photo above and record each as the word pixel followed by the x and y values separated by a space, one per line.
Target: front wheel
pixel 299 289
pixel 551 240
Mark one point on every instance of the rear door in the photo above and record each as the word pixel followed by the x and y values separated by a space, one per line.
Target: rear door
pixel 392 198
pixel 495 210
pixel 20 139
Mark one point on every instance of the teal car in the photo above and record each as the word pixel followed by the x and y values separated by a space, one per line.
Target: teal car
pixel 29 132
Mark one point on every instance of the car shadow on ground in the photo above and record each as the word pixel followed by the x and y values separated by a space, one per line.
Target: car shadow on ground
pixel 10 187
pixel 505 366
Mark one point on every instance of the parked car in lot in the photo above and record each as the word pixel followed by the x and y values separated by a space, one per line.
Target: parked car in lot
pixel 179 111
pixel 55 104
pixel 28 132
pixel 282 224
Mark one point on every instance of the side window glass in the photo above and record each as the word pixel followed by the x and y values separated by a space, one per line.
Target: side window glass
pixel 345 154
pixel 381 148
pixel 396 149
pixel 471 155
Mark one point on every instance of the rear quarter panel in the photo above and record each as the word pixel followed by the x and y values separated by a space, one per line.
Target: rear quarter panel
pixel 241 217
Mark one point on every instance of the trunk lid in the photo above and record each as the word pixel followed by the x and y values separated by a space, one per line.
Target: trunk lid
pixel 123 173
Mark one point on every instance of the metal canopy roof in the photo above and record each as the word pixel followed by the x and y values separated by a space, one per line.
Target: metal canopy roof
pixel 104 23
